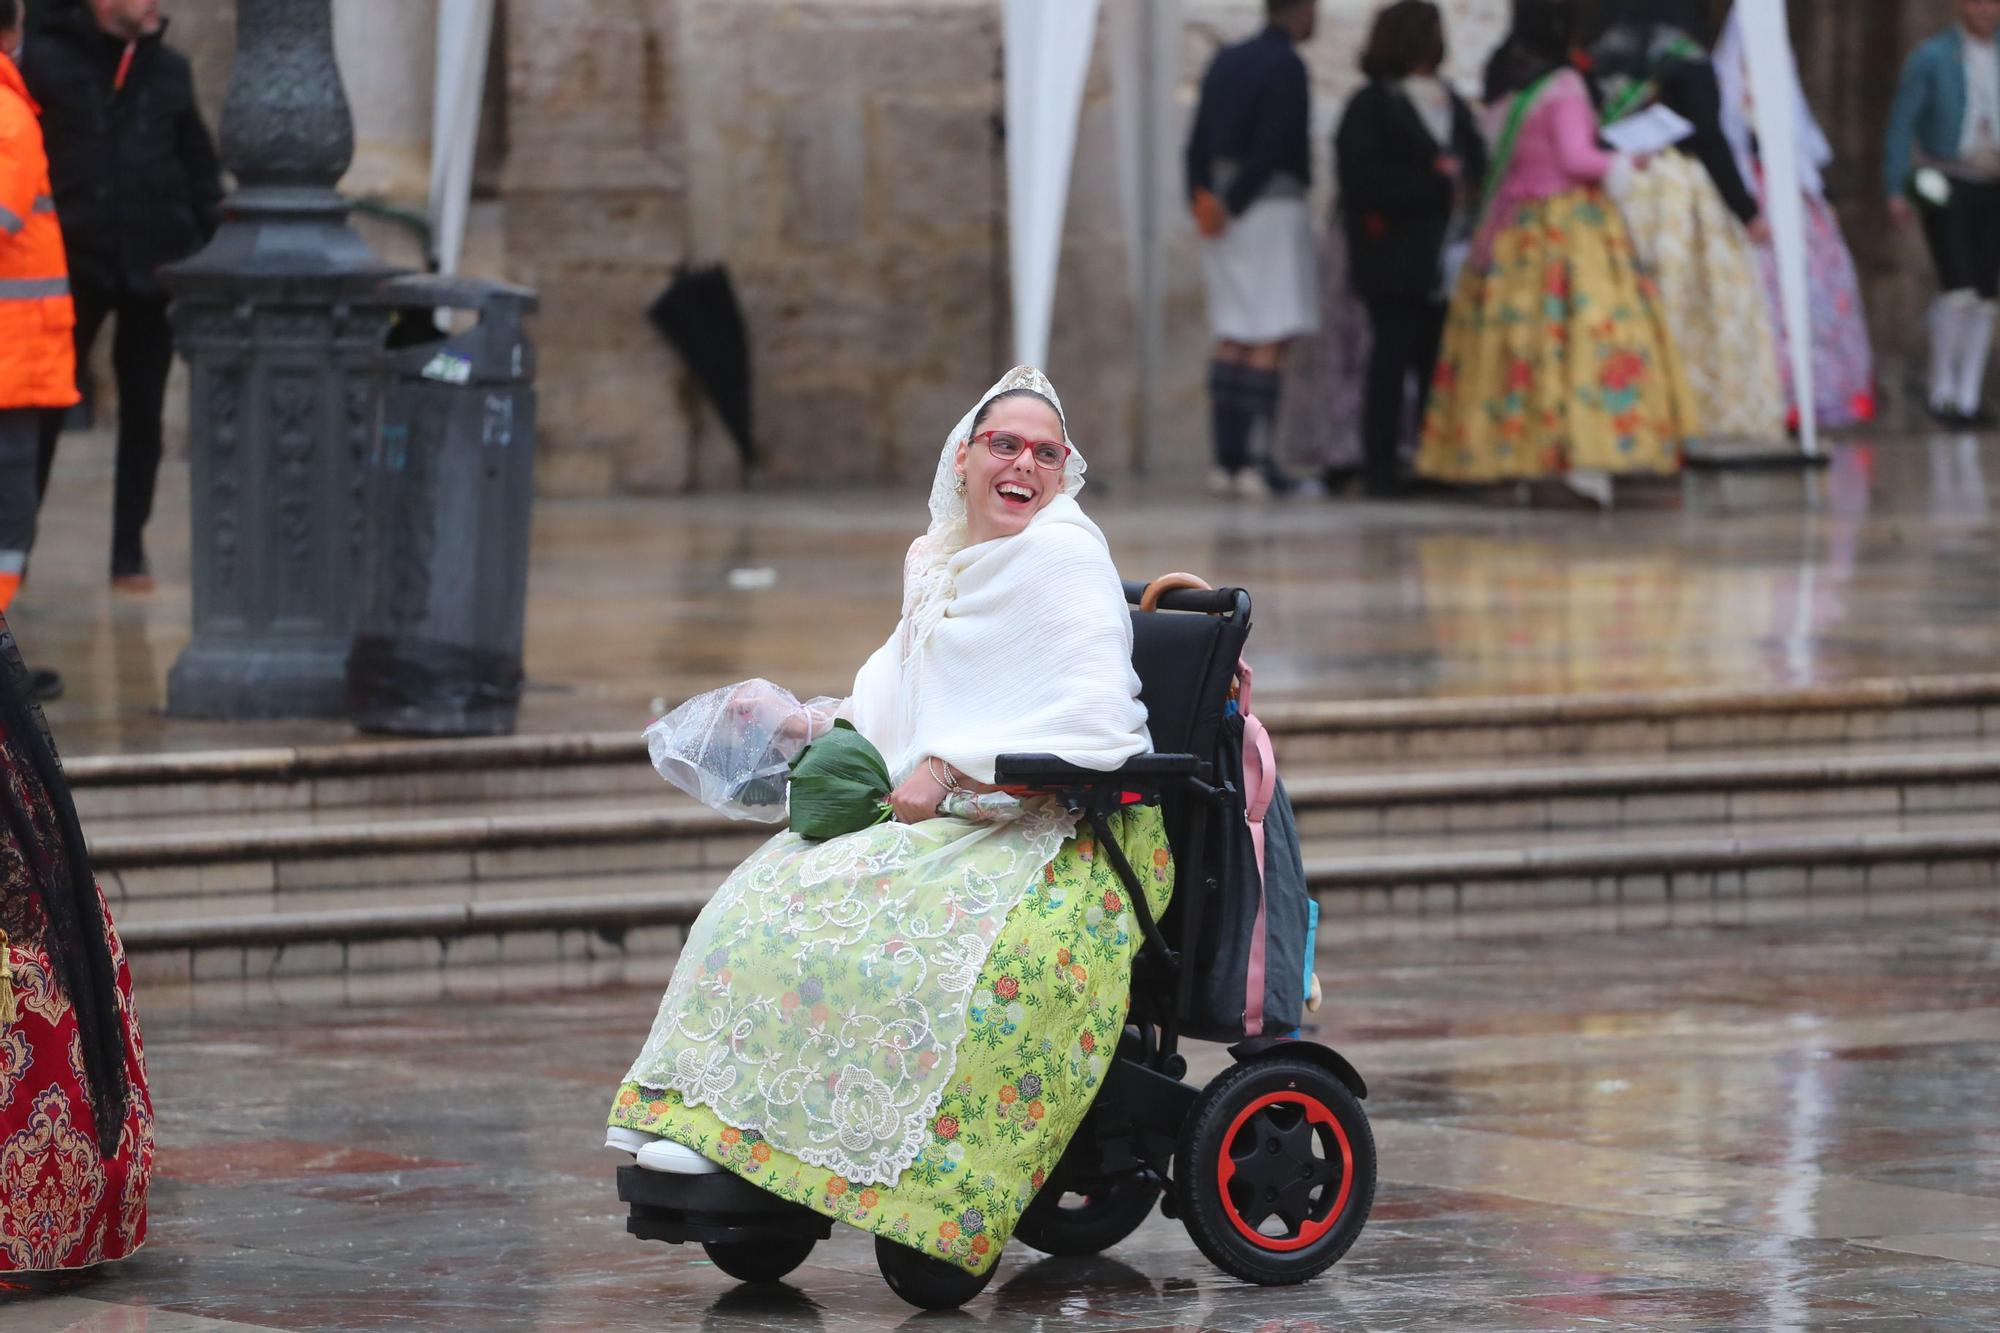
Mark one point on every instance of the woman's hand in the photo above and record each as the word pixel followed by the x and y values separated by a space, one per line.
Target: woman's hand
pixel 916 797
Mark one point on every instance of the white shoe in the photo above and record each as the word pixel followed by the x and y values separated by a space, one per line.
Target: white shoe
pixel 670 1157
pixel 1250 484
pixel 1220 482
pixel 628 1141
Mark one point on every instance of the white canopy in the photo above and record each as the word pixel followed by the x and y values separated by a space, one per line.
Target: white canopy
pixel 1048 58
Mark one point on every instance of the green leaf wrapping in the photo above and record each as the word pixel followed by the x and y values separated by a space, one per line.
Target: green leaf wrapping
pixel 839 784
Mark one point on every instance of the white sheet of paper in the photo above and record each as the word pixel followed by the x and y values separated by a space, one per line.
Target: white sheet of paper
pixel 1653 130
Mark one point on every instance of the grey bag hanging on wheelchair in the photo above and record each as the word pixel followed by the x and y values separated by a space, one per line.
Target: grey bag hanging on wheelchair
pixel 1252 983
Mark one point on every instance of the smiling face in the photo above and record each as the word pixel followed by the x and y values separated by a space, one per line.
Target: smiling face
pixel 1002 495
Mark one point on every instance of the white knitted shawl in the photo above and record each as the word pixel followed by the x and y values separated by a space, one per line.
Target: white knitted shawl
pixel 1022 644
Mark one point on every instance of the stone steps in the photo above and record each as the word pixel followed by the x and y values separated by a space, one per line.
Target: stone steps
pixel 1888 716
pixel 1706 879
pixel 378 857
pixel 153 873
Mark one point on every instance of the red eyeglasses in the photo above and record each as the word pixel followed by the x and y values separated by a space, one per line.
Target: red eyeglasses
pixel 1005 445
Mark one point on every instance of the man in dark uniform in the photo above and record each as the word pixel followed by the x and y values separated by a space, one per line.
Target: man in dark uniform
pixel 136 187
pixel 1249 164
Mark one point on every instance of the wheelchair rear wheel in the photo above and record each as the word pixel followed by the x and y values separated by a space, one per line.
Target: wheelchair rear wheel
pixel 759 1260
pixel 1073 1223
pixel 927 1283
pixel 1276 1170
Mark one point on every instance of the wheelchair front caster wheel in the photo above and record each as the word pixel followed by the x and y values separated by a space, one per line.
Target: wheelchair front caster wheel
pixel 927 1283
pixel 1276 1170
pixel 759 1261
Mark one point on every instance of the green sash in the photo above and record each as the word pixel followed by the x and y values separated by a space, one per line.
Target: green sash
pixel 1642 91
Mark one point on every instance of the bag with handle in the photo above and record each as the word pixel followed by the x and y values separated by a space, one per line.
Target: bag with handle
pixel 1253 960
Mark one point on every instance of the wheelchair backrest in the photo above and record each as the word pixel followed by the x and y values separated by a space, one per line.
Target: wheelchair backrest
pixel 1185 653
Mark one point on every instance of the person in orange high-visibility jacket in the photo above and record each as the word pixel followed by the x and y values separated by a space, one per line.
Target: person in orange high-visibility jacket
pixel 37 321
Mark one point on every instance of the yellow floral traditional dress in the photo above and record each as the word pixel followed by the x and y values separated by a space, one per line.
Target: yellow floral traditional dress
pixel 1041 1026
pixel 902 1027
pixel 1556 357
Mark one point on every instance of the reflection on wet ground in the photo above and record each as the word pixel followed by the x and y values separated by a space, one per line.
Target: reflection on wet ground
pixel 1716 1130
pixel 1880 564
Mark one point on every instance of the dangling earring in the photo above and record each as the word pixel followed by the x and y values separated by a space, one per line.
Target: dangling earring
pixel 960 488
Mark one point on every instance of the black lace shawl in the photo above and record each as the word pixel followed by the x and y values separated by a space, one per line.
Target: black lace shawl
pixel 48 894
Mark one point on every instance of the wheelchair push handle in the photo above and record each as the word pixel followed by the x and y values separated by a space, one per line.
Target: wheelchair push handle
pixel 1182 592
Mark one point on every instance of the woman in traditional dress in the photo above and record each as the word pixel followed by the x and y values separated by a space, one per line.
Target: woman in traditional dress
pixel 76 1123
pixel 1406 147
pixel 902 1027
pixel 1843 363
pixel 1557 364
pixel 1692 218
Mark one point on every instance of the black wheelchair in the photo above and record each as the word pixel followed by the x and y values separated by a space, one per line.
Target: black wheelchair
pixel 1270 1166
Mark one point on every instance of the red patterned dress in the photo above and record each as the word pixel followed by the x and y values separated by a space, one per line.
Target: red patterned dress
pixel 62 1203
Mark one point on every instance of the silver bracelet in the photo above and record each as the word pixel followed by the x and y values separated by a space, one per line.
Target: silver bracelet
pixel 948 781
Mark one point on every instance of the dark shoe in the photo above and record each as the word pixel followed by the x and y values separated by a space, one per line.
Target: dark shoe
pixel 1947 416
pixel 128 560
pixel 130 572
pixel 1335 480
pixel 44 685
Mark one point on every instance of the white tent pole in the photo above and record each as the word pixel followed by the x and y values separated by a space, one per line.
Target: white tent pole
pixel 1767 43
pixel 1145 60
pixel 464 31
pixel 1048 58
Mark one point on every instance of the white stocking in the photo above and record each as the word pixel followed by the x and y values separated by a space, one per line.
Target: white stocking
pixel 1947 321
pixel 1975 341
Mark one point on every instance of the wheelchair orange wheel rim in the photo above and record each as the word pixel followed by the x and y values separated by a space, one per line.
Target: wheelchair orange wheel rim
pixel 1254 1172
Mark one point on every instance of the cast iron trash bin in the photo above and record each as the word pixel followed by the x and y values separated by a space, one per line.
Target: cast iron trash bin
pixel 444 524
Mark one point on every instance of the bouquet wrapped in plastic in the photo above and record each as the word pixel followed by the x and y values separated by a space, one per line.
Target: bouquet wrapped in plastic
pixel 840 785
pixel 732 749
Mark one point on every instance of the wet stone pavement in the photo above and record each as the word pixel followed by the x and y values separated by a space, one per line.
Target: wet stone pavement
pixel 1882 564
pixel 1715 1129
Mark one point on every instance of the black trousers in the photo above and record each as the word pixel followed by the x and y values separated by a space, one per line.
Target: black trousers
pixel 1964 236
pixel 1408 331
pixel 142 352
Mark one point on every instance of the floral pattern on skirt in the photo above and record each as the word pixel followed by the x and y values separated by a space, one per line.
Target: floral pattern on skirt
pixel 63 1205
pixel 1042 1025
pixel 1556 356
pixel 1843 362
pixel 1711 295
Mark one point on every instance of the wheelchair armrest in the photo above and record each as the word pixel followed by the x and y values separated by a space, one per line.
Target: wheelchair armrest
pixel 1145 772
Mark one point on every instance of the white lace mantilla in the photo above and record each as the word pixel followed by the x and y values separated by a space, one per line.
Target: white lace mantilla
pixel 821 996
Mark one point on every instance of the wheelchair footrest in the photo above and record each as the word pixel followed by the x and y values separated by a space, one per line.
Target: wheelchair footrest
pixel 718 1207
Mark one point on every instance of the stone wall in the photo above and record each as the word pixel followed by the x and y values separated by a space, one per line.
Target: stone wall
pixel 839 156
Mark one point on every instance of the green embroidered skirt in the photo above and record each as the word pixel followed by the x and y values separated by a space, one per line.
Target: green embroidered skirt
pixel 1041 1029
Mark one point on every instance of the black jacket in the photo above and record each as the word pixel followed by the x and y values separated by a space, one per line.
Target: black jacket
pixel 134 171
pixel 1689 88
pixel 1395 204
pixel 1255 103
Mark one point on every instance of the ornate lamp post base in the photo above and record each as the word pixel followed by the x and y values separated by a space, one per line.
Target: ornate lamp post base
pixel 282 325
pixel 282 404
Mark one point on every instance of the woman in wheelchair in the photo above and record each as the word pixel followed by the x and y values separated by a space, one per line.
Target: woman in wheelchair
pixel 902 1028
